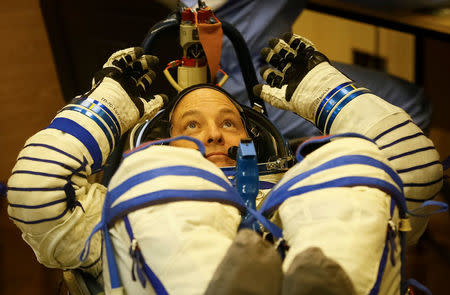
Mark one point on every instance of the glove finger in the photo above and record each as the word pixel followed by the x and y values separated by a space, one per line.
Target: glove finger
pixel 144 63
pixel 144 82
pixel 304 54
pixel 283 49
pixel 273 58
pixel 121 59
pixel 142 66
pixel 296 42
pixel 164 97
pixel 274 96
pixel 133 53
pixel 118 63
pixel 273 77
pixel 153 105
pixel 151 61
pixel 122 63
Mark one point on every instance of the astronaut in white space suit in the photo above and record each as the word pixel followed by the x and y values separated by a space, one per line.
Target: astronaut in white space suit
pixel 170 214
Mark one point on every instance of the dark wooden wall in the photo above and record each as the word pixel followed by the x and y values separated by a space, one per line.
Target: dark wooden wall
pixel 29 97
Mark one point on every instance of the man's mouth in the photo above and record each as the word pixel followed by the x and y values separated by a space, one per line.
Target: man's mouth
pixel 216 154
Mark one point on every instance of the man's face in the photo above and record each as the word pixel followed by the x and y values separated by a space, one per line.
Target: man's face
pixel 208 115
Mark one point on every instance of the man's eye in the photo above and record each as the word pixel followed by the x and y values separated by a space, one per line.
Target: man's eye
pixel 191 125
pixel 227 124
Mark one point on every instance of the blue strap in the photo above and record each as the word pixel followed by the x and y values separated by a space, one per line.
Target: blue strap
pixel 376 288
pixel 165 196
pixel 270 226
pixel 390 242
pixel 114 276
pixel 414 283
pixel 159 288
pixel 327 98
pixel 94 109
pixel 97 121
pixel 137 255
pixel 330 103
pixel 279 196
pixel 87 245
pixel 277 233
pixel 442 207
pixel 127 223
pixel 282 192
pixel 341 105
pixel 115 193
pixel 101 110
pixel 179 170
pixel 94 262
pixel 79 132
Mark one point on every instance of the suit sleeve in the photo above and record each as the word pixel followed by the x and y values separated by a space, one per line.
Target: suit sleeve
pixel 50 196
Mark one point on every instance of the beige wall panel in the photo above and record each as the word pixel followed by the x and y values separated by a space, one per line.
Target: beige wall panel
pixel 399 49
pixel 337 37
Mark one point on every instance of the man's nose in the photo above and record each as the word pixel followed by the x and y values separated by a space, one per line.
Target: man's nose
pixel 214 135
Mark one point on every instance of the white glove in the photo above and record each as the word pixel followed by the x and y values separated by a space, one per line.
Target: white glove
pixel 302 78
pixel 123 85
pixel 304 82
pixel 120 96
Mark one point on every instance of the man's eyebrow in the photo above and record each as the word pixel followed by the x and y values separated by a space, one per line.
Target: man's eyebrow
pixel 189 113
pixel 227 110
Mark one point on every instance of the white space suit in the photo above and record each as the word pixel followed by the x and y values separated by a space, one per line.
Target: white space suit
pixel 183 240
